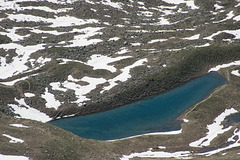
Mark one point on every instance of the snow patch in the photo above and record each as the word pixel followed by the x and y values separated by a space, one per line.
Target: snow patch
pixel 157 154
pixel 29 95
pixel 17 66
pixel 11 83
pixel 162 147
pixel 123 50
pixel 13 157
pixel 236 33
pixel 195 37
pixel 28 112
pixel 19 125
pixel 51 100
pixel 230 15
pixel 114 39
pixel 141 3
pixel 63 21
pixel 46 9
pixel 218 67
pixel 157 40
pixel 83 39
pixel 13 139
pixel 189 3
pixel 236 73
pixel 218 7
pixel 237 18
pixel 214 129
pixel 11 33
pixel 135 44
pixel 124 76
pixel 98 61
pixel 151 134
pixel 57 86
pixel 80 91
pixel 236 143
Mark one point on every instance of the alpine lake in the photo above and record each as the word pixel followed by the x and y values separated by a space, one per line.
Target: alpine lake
pixel 150 115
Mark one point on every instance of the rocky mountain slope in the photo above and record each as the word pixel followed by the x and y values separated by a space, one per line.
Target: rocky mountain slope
pixel 60 57
pixel 75 57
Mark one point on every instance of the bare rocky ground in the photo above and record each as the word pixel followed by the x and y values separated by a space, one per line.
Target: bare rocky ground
pixel 68 58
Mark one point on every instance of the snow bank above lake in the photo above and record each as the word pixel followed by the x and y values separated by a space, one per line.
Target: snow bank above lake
pixel 218 67
pixel 28 112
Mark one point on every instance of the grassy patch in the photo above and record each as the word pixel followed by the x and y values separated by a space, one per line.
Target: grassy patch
pixel 4 39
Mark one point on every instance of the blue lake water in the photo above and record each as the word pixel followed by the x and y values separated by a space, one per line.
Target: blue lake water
pixel 155 114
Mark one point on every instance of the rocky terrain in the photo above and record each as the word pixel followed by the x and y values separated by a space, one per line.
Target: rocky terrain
pixel 74 57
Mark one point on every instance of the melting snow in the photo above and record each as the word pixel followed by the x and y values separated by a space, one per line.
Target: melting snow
pixel 162 147
pixel 155 133
pixel 46 9
pixel 236 73
pixel 28 112
pixel 114 39
pixel 11 33
pixel 195 37
pixel 230 15
pixel 217 7
pixel 123 50
pixel 83 39
pixel 80 91
pixel 134 44
pixel 17 66
pixel 236 143
pixel 11 83
pixel 19 125
pixel 141 3
pixel 57 86
pixel 157 154
pixel 29 95
pixel 218 67
pixel 13 139
pixel 237 18
pixel 13 157
pixel 157 40
pixel 214 129
pixel 112 4
pixel 51 100
pixel 189 3
pixel 98 61
pixel 236 33
pixel 125 75
pixel 63 21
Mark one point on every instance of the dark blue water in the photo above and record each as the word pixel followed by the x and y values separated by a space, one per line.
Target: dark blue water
pixel 156 114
